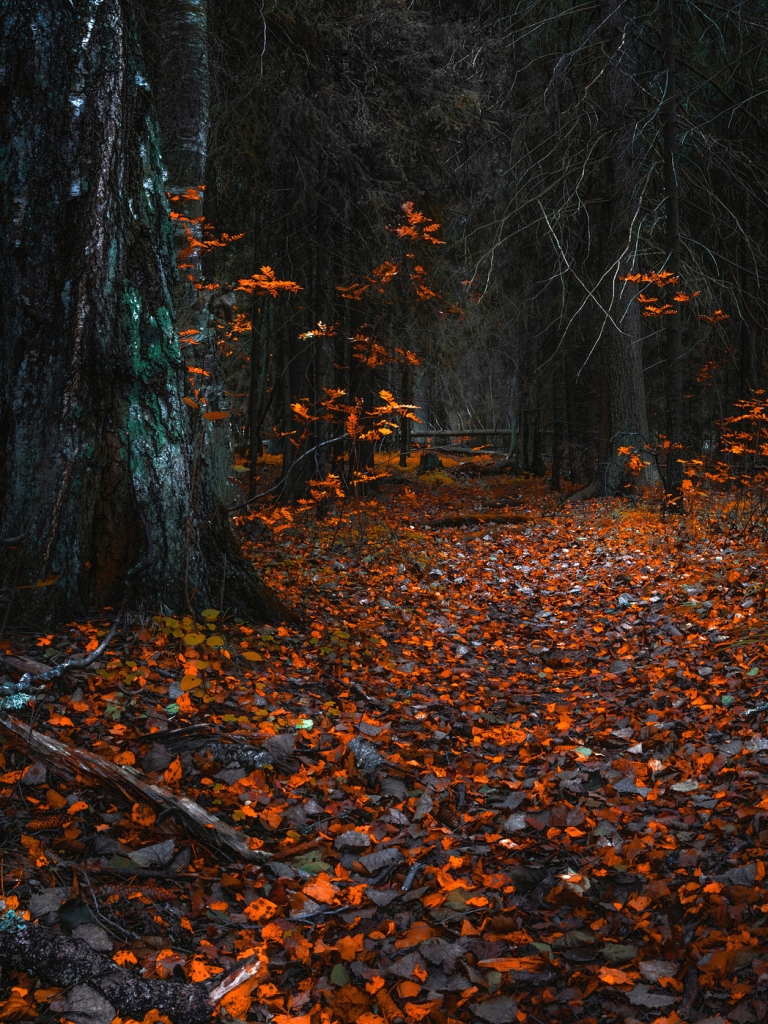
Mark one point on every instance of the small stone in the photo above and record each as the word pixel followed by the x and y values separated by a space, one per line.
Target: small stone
pixel 352 841
pixel 618 668
pixel 515 823
pixel 686 786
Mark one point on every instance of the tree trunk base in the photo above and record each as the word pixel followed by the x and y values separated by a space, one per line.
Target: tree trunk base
pixel 240 586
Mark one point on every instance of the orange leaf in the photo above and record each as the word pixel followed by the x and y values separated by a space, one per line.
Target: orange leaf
pixel 18 1005
pixel 350 946
pixel 272 932
pixel 512 963
pixel 80 805
pixel 123 957
pixel 44 995
pixel 60 720
pixel 613 976
pixel 260 910
pixel 127 757
pixel 172 773
pixel 190 402
pixel 408 989
pixel 418 1012
pixel 639 903
pixel 321 889
pixel 215 415
pixel 418 932
pixel 142 814
pixel 238 1002
pixel 198 970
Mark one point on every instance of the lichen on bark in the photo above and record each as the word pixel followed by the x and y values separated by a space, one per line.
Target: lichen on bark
pixel 96 443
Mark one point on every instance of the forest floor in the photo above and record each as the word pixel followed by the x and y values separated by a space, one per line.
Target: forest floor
pixel 510 771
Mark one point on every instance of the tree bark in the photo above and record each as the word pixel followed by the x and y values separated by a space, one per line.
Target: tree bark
pixel 674 474
pixel 617 317
pixel 98 467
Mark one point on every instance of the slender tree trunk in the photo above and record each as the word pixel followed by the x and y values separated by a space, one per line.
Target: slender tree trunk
pixel 558 422
pixel 98 474
pixel 674 476
pixel 616 317
pixel 405 422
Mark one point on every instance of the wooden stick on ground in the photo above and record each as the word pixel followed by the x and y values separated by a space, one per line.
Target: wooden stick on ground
pixel 130 782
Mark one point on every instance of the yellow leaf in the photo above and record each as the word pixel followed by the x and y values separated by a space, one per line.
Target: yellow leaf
pixel 252 656
pixel 193 639
pixel 215 641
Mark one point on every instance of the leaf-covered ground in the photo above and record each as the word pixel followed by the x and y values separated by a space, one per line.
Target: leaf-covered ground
pixel 509 771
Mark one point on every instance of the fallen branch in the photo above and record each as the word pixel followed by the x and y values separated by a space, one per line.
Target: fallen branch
pixel 32 673
pixel 61 960
pixel 130 783
pixel 476 518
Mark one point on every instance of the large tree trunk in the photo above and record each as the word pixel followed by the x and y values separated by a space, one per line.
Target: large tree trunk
pixel 97 467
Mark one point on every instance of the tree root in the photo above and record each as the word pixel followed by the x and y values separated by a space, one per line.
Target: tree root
pixel 61 960
pixel 241 587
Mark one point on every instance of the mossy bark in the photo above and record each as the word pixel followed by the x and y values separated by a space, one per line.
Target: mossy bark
pixel 96 442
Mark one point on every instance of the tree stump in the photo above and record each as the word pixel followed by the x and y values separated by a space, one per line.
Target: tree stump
pixel 429 462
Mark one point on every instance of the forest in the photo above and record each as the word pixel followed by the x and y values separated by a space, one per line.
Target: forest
pixel 383 511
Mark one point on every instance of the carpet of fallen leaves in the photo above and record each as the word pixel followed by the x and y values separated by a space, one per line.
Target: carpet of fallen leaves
pixel 512 772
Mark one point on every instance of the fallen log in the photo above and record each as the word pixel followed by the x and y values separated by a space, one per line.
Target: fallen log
pixel 128 781
pixel 61 960
pixel 476 518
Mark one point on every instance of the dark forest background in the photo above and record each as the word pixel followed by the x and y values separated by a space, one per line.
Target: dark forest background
pixel 158 156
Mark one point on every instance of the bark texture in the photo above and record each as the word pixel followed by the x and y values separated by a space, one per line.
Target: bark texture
pixel 617 318
pixel 63 960
pixel 97 460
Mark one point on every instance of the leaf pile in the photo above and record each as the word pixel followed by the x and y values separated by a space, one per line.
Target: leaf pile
pixel 501 773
